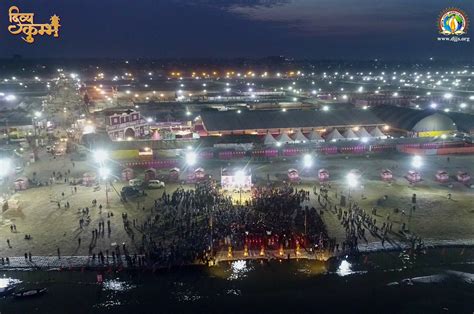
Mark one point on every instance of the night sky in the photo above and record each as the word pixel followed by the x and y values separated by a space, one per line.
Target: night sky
pixel 317 29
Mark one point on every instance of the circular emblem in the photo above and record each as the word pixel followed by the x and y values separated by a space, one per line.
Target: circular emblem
pixel 453 21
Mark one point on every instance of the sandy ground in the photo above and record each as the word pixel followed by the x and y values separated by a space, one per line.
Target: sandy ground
pixel 436 218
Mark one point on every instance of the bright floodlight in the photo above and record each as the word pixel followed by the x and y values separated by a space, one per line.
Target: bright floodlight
pixel 417 161
pixel 191 158
pixel 307 161
pixel 5 167
pixel 448 95
pixel 364 140
pixel 434 105
pixel 100 155
pixel 325 108
pixel 239 177
pixel 443 136
pixel 10 97
pixel 88 129
pixel 352 180
pixel 104 172
pixel 38 114
pixel 463 105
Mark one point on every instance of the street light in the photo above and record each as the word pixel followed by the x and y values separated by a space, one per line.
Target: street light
pixel 104 174
pixel 100 155
pixel 448 96
pixel 352 180
pixel 308 161
pixel 417 161
pixel 191 158
pixel 239 180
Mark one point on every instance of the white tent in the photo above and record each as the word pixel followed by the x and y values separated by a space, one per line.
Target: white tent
pixel 315 137
pixel 284 138
pixel 334 136
pixel 269 140
pixel 350 135
pixel 362 133
pixel 377 133
pixel 300 138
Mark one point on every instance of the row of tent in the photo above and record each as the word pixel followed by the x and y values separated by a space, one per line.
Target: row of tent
pixel 315 137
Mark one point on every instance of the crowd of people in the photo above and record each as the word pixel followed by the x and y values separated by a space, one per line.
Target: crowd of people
pixel 192 225
pixel 359 223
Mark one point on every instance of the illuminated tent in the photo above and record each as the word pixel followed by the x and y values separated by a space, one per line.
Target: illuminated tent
pixel 377 133
pixel 284 138
pixel 334 136
pixel 362 133
pixel 269 140
pixel 314 136
pixel 350 135
pixel 300 138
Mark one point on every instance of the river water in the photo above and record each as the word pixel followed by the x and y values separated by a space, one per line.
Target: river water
pixel 442 281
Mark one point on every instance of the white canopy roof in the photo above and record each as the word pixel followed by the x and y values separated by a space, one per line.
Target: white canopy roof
pixel 363 133
pixel 350 135
pixel 377 133
pixel 269 140
pixel 299 137
pixel 334 135
pixel 314 136
pixel 284 138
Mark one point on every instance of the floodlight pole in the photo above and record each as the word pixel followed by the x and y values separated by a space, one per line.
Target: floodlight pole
pixel 106 193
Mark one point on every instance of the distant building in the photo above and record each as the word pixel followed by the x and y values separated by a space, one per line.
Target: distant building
pixel 128 124
pixel 15 125
pixel 424 123
pixel 261 122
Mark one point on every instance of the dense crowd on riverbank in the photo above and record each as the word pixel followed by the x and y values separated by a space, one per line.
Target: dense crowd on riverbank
pixel 191 225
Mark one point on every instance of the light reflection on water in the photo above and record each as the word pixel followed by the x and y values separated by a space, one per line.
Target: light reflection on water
pixel 117 285
pixel 239 270
pixel 7 281
pixel 114 287
pixel 344 269
pixel 243 269
pixel 255 280
pixel 185 293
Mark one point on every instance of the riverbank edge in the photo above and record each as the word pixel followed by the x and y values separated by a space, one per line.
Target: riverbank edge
pixel 86 263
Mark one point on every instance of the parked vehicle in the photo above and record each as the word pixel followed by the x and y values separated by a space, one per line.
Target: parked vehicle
pixel 156 184
pixel 129 192
pixel 135 182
